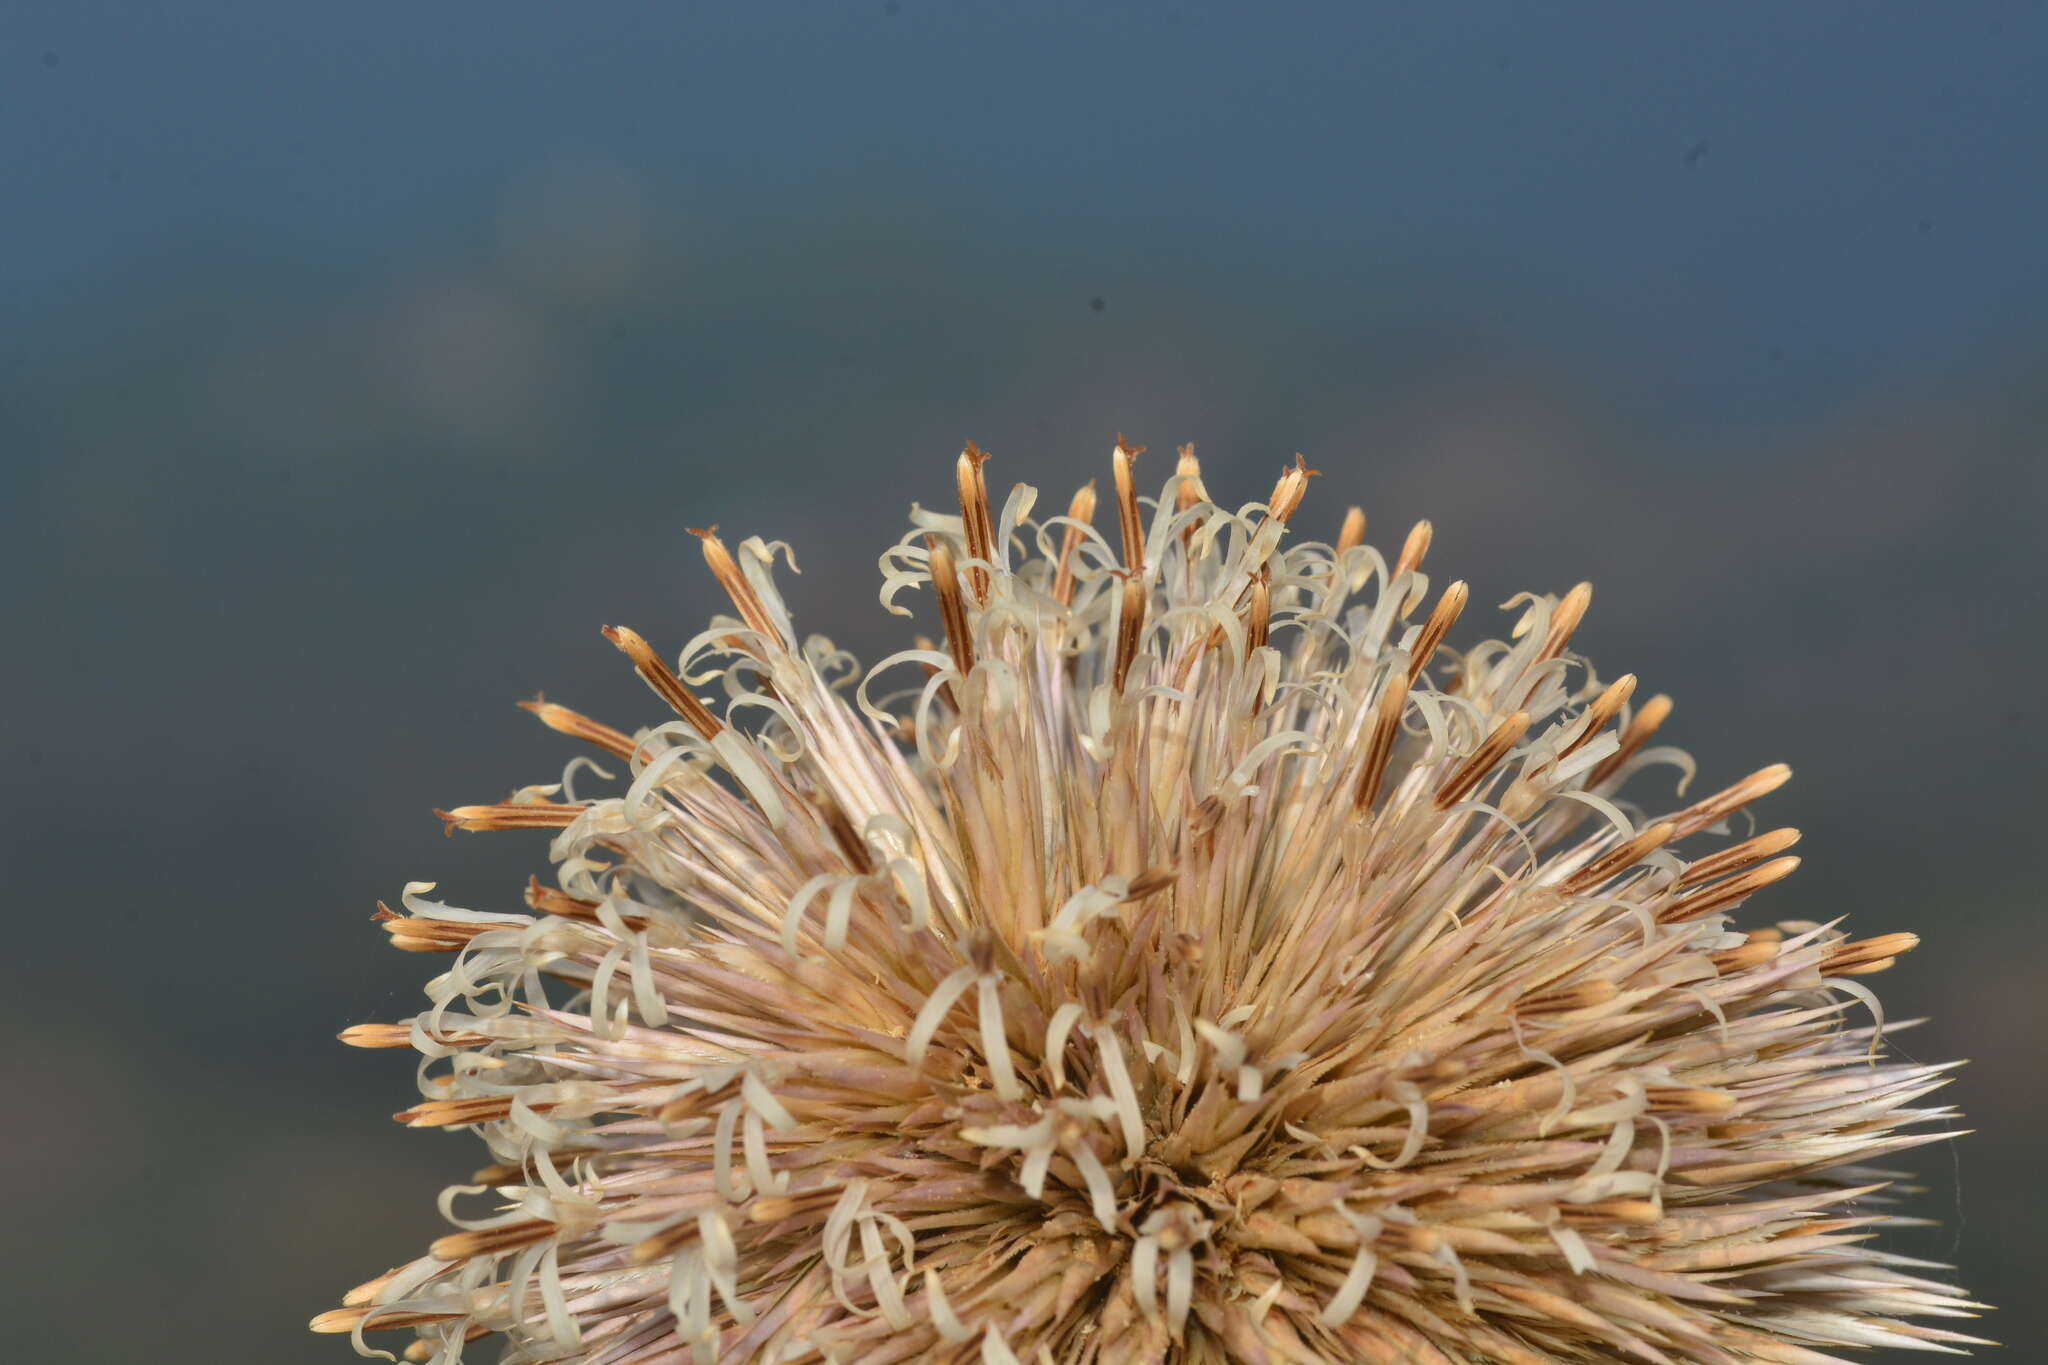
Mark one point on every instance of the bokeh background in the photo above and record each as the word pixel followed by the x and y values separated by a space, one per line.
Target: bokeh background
pixel 357 362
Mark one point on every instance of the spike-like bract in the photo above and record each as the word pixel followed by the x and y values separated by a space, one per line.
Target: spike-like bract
pixel 1198 959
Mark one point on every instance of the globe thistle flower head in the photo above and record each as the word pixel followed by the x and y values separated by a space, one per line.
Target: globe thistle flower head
pixel 1190 955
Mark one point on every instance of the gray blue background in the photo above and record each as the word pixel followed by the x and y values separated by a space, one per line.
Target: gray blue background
pixel 358 361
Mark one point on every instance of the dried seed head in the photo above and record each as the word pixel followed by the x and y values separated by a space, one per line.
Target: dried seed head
pixel 1115 996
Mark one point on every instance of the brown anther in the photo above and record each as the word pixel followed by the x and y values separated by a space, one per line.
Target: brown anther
pixel 419 935
pixel 1863 956
pixel 1192 490
pixel 1386 725
pixel 1634 735
pixel 1441 618
pixel 1617 859
pixel 1585 995
pixel 549 901
pixel 1414 548
pixel 773 1208
pixel 1723 804
pixel 461 1113
pixel 562 720
pixel 1186 949
pixel 1725 893
pixel 660 1244
pixel 744 598
pixel 1755 953
pixel 460 1246
pixel 1678 1099
pixel 1127 504
pixel 1351 534
pixel 1604 708
pixel 1258 619
pixel 1474 769
pixel 367 1290
pixel 374 1319
pixel 976 527
pixel 426 1348
pixel 1637 1211
pixel 666 685
pixel 1737 856
pixel 377 1035
pixel 851 847
pixel 1290 490
pixel 512 815
pixel 952 608
pixel 1130 626
pixel 1150 882
pixel 1564 620
pixel 1082 510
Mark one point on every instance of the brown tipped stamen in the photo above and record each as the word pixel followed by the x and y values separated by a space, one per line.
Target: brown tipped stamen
pixel 1082 510
pixel 1474 769
pixel 411 934
pixel 1351 534
pixel 1565 620
pixel 575 724
pixel 400 1035
pixel 1761 948
pixel 1414 548
pixel 1258 616
pixel 1386 727
pixel 1679 1099
pixel 425 1349
pixel 977 529
pixel 666 685
pixel 512 815
pixel 1290 490
pixel 460 1246
pixel 1619 858
pixel 1191 492
pixel 1644 723
pixel 1585 995
pixel 1723 804
pixel 1737 857
pixel 1604 709
pixel 462 1113
pixel 727 571
pixel 377 1035
pixel 667 1241
pixel 952 609
pixel 1133 529
pixel 1723 894
pixel 375 1319
pixel 1863 956
pixel 1130 626
pixel 1441 619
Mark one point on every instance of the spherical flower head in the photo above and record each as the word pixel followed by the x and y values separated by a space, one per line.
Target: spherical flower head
pixel 1191 956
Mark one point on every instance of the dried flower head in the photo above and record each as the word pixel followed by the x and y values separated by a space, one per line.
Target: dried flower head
pixel 1197 960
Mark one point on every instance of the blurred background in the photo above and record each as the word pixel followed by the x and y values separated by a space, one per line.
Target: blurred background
pixel 358 362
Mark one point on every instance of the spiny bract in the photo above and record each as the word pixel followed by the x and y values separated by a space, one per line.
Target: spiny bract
pixel 1197 960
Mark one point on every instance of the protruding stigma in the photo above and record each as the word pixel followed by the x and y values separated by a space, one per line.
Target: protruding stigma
pixel 742 593
pixel 1386 726
pixel 1441 619
pixel 666 684
pixel 1474 769
pixel 952 610
pixel 563 721
pixel 977 528
pixel 1644 723
pixel 1082 511
pixel 1351 534
pixel 1563 621
pixel 1120 461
